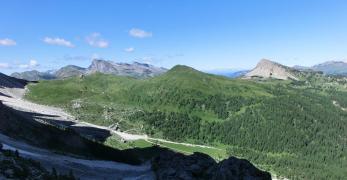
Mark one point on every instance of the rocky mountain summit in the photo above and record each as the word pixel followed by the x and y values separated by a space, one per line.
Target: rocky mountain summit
pixel 269 69
pixel 136 70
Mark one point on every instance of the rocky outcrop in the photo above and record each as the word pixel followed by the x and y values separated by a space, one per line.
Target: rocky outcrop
pixel 269 69
pixel 138 70
pixel 171 165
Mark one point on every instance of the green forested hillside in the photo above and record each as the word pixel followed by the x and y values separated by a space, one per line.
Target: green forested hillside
pixel 291 128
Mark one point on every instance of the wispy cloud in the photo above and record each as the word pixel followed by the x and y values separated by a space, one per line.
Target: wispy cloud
pixel 130 49
pixel 32 64
pixel 58 41
pixel 7 42
pixel 95 40
pixel 139 33
pixel 4 66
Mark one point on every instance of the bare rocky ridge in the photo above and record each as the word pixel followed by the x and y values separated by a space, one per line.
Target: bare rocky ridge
pixel 269 69
pixel 136 69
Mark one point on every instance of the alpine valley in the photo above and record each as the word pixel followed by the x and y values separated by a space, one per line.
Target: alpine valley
pixel 289 122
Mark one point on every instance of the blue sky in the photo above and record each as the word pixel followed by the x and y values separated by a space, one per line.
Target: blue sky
pixel 215 34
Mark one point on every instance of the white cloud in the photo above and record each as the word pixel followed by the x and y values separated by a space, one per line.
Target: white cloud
pixel 130 49
pixel 95 40
pixel 58 41
pixel 32 63
pixel 4 65
pixel 139 33
pixel 7 42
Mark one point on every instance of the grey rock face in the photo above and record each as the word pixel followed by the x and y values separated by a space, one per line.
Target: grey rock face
pixel 269 69
pixel 137 70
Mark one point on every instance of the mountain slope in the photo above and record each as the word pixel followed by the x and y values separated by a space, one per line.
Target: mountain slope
pixel 292 128
pixel 30 128
pixel 269 69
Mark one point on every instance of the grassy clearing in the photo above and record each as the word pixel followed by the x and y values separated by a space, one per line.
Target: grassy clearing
pixel 217 154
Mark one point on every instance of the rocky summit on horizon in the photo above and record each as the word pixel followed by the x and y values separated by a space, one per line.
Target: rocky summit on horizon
pixel 269 69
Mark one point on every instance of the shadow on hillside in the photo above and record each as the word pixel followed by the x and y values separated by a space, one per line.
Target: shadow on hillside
pixel 11 82
pixel 95 134
pixel 165 163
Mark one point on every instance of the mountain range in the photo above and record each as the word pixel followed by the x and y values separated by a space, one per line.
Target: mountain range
pixel 288 121
pixel 136 70
pixel 329 67
pixel 285 120
pixel 265 69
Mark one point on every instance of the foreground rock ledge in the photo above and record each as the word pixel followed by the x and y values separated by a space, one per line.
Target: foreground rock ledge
pixel 171 165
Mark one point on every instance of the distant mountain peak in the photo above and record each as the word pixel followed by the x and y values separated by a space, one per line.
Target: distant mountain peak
pixel 331 67
pixel 327 63
pixel 270 69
